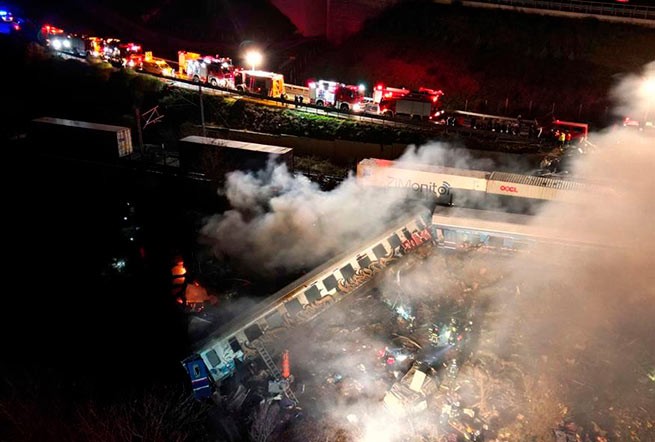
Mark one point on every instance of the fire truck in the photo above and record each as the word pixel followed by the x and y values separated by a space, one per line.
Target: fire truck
pixel 417 105
pixel 95 46
pixel 122 54
pixel 341 96
pixel 268 84
pixel 214 70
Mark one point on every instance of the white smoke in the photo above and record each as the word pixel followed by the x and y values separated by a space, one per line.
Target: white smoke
pixel 571 332
pixel 284 222
pixel 574 325
pixel 442 154
pixel 635 95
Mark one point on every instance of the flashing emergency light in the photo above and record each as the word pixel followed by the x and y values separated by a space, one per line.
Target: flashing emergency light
pixel 67 44
pixel 56 44
pixel 47 29
pixel 379 87
pixel 362 88
pixel 312 85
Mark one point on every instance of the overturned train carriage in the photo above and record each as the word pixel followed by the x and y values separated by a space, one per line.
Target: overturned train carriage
pixel 215 358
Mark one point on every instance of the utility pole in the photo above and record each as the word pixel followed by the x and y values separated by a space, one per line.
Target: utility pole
pixel 139 129
pixel 202 112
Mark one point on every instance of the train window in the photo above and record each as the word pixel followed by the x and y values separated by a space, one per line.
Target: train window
pixel 450 235
pixel 313 294
pixel 408 236
pixel 234 345
pixel 293 307
pixel 274 320
pixel 364 261
pixel 495 241
pixel 212 358
pixel 420 225
pixel 394 241
pixel 196 371
pixel 253 332
pixel 463 237
pixel 330 283
pixel 347 271
pixel 379 251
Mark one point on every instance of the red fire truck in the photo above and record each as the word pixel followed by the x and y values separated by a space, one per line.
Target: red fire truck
pixel 214 70
pixel 418 105
pixel 338 95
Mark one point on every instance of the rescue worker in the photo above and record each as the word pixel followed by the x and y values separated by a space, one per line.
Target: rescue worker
pixel 568 138
pixel 562 139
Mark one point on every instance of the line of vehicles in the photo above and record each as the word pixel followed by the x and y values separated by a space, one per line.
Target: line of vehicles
pixel 219 71
pixel 423 104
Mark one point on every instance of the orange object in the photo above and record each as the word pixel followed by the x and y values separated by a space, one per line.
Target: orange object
pixel 286 367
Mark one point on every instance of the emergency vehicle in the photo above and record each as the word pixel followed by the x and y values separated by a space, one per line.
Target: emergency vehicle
pixel 338 95
pixel 95 46
pixel 157 66
pixel 418 105
pixel 122 54
pixel 47 33
pixel 268 84
pixel 9 23
pixel 578 131
pixel 214 70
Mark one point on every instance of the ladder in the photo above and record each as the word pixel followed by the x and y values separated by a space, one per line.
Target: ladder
pixel 268 360
pixel 275 372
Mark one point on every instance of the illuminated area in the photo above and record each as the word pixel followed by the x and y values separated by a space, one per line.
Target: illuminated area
pixel 397 239
pixel 253 59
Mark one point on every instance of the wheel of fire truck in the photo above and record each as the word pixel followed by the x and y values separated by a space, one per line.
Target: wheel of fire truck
pixel 213 82
pixel 196 79
pixel 388 114
pixel 319 103
pixel 344 107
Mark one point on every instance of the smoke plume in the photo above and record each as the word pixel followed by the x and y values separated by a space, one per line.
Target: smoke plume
pixel 563 332
pixel 282 223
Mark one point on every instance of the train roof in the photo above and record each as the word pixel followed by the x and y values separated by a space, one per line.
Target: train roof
pixel 304 282
pixel 537 181
pixel 80 124
pixel 425 168
pixel 232 144
pixel 510 225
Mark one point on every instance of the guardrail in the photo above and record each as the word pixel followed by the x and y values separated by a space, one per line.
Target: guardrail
pixel 583 7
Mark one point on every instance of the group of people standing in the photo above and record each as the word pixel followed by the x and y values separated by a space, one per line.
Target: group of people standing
pixel 563 138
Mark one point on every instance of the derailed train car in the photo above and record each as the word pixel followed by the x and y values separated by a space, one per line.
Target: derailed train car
pixel 469 188
pixel 460 228
pixel 216 357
